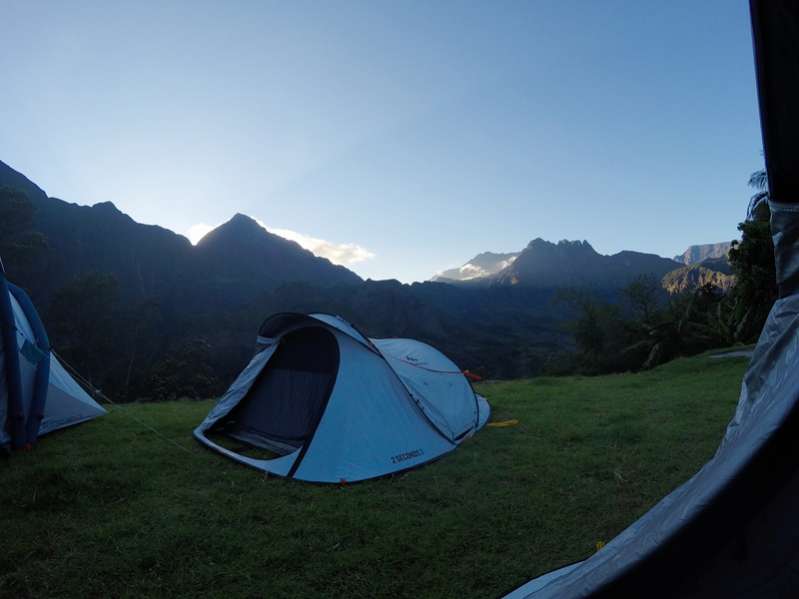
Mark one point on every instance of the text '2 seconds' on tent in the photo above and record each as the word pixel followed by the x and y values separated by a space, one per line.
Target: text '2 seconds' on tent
pixel 37 395
pixel 338 406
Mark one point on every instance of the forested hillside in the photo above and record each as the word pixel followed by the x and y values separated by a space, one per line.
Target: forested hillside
pixel 144 314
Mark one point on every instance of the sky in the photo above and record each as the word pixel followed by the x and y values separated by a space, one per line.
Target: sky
pixel 397 138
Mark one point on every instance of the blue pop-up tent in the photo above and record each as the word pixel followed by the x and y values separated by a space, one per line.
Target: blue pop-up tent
pixel 334 405
pixel 37 395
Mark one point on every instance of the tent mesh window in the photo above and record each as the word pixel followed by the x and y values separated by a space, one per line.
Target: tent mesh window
pixel 281 410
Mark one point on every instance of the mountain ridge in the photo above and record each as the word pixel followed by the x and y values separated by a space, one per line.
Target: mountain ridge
pixel 572 263
pixel 150 260
pixel 174 304
pixel 576 264
pixel 483 264
pixel 702 251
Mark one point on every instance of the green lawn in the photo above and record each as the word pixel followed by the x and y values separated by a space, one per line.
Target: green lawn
pixel 110 509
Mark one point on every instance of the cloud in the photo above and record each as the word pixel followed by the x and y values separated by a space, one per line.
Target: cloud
pixel 506 263
pixel 338 253
pixel 472 271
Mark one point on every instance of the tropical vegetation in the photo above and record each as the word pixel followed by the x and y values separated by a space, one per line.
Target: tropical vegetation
pixel 650 327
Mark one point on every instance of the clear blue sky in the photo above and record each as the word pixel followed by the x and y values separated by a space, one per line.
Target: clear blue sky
pixel 423 133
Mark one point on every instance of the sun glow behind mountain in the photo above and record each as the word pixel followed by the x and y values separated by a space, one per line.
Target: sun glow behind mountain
pixel 196 232
pixel 344 254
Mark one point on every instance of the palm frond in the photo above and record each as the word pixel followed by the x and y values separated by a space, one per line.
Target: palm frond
pixel 754 203
pixel 759 180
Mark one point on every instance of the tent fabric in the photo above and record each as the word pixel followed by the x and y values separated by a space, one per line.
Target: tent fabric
pixel 370 427
pixel 37 396
pixel 434 381
pixel 289 392
pixel 732 530
pixel 341 406
pixel 67 402
pixel 5 438
pixel 13 416
pixel 34 361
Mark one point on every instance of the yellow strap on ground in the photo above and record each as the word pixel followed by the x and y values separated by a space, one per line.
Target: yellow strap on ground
pixel 503 423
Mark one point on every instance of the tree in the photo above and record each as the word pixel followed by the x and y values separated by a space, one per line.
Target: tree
pixel 752 261
pixel 82 323
pixel 16 212
pixel 186 371
pixel 599 332
pixel 758 203
pixel 143 326
pixel 20 245
pixel 643 295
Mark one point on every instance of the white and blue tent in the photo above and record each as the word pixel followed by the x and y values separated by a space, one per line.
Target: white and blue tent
pixel 337 406
pixel 37 395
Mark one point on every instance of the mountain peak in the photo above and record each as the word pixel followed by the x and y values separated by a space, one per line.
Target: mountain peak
pixel 701 252
pixel 240 226
pixel 575 243
pixel 11 178
pixel 481 266
pixel 538 242
pixel 578 264
pixel 242 221
pixel 243 218
pixel 268 256
pixel 109 207
pixel 563 245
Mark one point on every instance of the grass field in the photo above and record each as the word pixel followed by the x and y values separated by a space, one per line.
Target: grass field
pixel 108 509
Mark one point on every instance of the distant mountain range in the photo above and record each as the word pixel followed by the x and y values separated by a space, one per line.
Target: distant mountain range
pixel 577 264
pixel 499 313
pixel 240 259
pixel 231 264
pixel 570 264
pixel 710 271
pixel 699 253
pixel 172 295
pixel 481 266
pixel 543 264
